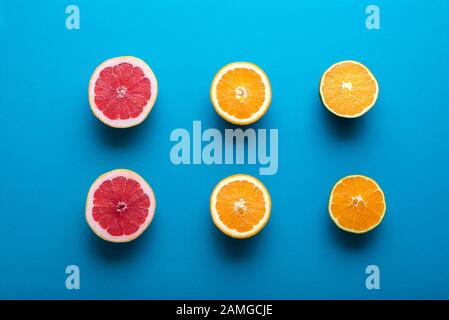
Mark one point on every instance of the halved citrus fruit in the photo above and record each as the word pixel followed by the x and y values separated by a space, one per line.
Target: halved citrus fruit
pixel 120 206
pixel 240 206
pixel 122 91
pixel 241 93
pixel 348 89
pixel 357 204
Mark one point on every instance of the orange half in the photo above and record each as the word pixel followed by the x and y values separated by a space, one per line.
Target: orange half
pixel 240 206
pixel 357 204
pixel 241 93
pixel 348 89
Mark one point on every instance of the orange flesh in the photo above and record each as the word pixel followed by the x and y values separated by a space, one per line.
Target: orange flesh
pixel 348 89
pixel 240 205
pixel 357 204
pixel 240 92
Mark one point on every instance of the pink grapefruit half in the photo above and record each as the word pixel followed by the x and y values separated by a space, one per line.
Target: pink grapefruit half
pixel 122 91
pixel 120 206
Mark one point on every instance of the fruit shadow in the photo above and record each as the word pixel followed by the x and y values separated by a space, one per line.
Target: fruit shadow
pixel 348 240
pixel 233 248
pixel 236 249
pixel 112 252
pixel 343 128
pixel 119 137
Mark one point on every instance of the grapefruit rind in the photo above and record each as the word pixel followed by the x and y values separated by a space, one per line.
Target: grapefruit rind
pixel 349 229
pixel 347 115
pixel 228 117
pixel 225 229
pixel 96 228
pixel 146 110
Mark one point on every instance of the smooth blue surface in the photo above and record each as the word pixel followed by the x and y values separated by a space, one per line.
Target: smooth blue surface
pixel 53 148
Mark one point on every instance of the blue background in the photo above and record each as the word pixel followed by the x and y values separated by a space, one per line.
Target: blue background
pixel 53 148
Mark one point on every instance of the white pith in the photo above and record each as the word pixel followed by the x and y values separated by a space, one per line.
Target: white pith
pixel 240 205
pixel 94 225
pixel 357 200
pixel 121 91
pixel 346 85
pixel 241 92
pixel 147 108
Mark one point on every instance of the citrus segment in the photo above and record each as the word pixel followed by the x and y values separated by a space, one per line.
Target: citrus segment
pixel 240 206
pixel 122 91
pixel 357 204
pixel 348 89
pixel 241 93
pixel 120 205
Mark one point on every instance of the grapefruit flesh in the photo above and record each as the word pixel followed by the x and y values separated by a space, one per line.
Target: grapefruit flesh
pixel 122 91
pixel 120 206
